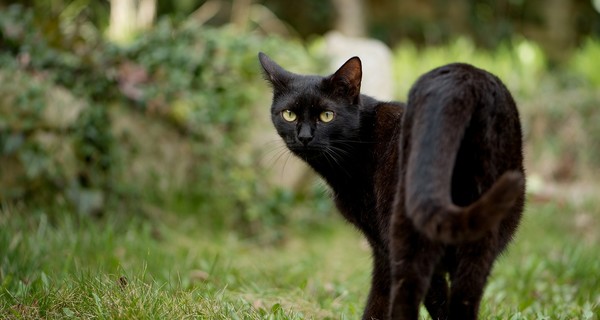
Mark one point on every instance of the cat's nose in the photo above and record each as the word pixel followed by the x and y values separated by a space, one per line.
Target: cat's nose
pixel 305 136
pixel 305 140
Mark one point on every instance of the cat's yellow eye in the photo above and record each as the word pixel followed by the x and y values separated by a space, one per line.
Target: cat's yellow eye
pixel 288 115
pixel 326 116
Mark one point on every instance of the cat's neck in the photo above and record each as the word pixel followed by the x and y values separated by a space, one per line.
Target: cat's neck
pixel 369 162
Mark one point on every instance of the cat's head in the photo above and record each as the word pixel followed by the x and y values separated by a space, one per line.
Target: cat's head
pixel 315 115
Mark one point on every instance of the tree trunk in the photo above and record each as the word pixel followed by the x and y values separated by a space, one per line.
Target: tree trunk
pixel 350 17
pixel 240 13
pixel 122 19
pixel 146 14
pixel 130 16
pixel 560 34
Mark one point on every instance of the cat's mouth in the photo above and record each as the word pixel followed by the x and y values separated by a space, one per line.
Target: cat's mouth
pixel 307 151
pixel 298 147
pixel 319 153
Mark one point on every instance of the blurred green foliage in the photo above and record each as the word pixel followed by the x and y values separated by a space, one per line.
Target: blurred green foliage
pixel 199 81
pixel 586 62
pixel 65 89
pixel 559 25
pixel 519 63
pixel 558 108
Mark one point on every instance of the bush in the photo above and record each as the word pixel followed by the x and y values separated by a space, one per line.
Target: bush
pixel 520 64
pixel 558 108
pixel 201 84
pixel 585 62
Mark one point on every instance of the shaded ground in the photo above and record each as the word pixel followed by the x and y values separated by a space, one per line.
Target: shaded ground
pixel 173 265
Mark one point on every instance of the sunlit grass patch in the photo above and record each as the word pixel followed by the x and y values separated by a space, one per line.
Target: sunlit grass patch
pixel 550 270
pixel 110 268
pixel 174 266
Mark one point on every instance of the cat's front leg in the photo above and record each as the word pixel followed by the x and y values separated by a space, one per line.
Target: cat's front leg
pixel 379 296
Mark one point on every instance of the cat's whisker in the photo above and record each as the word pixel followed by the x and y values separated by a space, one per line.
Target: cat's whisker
pixel 282 174
pixel 273 145
pixel 350 142
pixel 340 151
pixel 330 153
pixel 276 158
pixel 327 157
pixel 273 153
pixel 273 150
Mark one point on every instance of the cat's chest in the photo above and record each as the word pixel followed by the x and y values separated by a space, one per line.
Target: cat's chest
pixel 367 201
pixel 358 206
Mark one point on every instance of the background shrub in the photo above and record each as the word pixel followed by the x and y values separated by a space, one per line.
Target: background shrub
pixel 199 86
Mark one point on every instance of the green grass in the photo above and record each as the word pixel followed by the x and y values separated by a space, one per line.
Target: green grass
pixel 168 265
pixel 551 271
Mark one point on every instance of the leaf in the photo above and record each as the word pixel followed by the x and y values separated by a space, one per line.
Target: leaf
pixel 45 281
pixel 68 312
pixel 12 143
pixel 98 303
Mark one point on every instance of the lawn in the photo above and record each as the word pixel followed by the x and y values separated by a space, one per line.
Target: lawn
pixel 180 92
pixel 171 265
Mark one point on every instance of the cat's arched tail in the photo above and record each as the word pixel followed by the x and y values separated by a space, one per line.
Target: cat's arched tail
pixel 448 223
pixel 435 128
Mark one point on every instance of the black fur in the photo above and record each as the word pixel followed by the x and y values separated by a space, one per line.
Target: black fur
pixel 444 171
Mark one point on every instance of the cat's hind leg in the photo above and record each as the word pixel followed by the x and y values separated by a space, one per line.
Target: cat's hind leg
pixel 436 300
pixel 469 278
pixel 413 261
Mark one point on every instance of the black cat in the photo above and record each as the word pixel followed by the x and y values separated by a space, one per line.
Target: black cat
pixel 436 185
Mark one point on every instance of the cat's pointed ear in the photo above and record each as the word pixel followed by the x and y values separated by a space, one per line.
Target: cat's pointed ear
pixel 274 73
pixel 346 80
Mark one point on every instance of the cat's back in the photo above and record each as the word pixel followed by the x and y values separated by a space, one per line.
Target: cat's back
pixel 466 74
pixel 388 127
pixel 459 84
pixel 459 80
pixel 388 116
